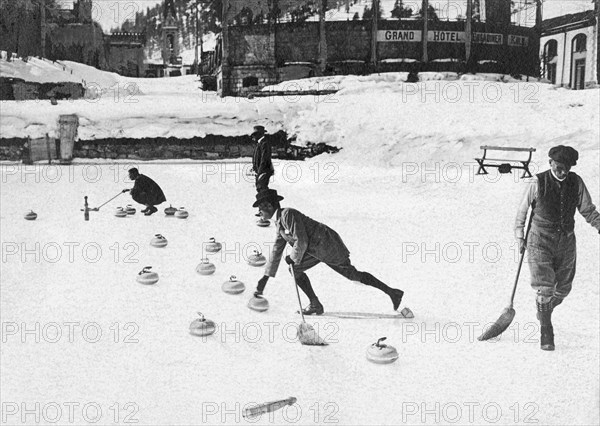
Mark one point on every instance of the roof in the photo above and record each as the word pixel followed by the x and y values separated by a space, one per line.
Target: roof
pixel 568 22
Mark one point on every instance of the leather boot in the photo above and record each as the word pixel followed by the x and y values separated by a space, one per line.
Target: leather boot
pixel 546 329
pixel 315 308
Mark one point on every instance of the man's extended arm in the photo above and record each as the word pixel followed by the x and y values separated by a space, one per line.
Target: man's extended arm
pixel 586 207
pixel 529 196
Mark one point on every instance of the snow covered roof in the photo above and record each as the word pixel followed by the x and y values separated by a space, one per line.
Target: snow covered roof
pixel 568 22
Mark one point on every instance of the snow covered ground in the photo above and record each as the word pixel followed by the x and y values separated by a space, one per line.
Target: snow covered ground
pixel 85 342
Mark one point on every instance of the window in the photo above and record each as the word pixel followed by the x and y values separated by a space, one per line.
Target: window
pixel 551 49
pixel 579 43
pixel 249 81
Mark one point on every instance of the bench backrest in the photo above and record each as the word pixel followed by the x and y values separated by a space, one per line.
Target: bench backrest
pixel 507 148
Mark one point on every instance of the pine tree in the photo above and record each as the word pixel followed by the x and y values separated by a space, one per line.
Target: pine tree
pixel 399 11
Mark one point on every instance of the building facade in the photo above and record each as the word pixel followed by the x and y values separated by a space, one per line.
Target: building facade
pixel 569 50
pixel 254 53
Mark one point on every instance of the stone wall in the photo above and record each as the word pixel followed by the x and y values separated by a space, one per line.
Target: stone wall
pixel 15 89
pixel 211 147
pixel 264 76
pixel 127 60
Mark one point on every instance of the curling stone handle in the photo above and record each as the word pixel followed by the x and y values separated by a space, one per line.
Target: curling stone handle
pixel 146 269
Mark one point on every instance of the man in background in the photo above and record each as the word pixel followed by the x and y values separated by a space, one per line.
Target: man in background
pixel 261 160
pixel 145 191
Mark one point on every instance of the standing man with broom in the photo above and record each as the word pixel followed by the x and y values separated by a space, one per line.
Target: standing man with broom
pixel 312 243
pixel 553 195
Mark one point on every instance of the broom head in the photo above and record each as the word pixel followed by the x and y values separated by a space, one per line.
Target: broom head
pixel 308 336
pixel 500 325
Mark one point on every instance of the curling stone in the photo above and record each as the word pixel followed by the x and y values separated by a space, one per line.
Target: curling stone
pixel 380 353
pixel 202 327
pixel 146 276
pixel 170 211
pixel 129 209
pixel 181 213
pixel 263 223
pixel 257 259
pixel 205 267
pixel 212 246
pixel 233 286
pixel 120 212
pixel 259 304
pixel 158 241
pixel 31 215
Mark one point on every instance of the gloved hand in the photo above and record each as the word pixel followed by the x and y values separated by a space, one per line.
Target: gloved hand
pixel 126 190
pixel 521 242
pixel 261 286
pixel 289 260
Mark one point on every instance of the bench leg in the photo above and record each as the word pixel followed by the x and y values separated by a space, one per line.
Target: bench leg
pixel 526 172
pixel 481 170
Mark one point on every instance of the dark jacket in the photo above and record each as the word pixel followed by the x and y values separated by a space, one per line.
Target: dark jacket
pixel 146 191
pixel 261 160
pixel 306 236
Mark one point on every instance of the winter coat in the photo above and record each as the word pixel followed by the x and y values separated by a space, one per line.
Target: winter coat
pixel 306 236
pixel 146 191
pixel 261 160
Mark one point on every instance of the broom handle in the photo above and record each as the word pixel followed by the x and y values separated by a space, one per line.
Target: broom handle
pixel 297 291
pixel 110 200
pixel 512 297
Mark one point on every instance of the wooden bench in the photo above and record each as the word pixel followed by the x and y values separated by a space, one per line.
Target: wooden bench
pixel 505 165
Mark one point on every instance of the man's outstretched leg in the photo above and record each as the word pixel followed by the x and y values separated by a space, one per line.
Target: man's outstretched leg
pixel 352 274
pixel 394 293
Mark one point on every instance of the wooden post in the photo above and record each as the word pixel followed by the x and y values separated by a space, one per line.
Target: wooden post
pixel 199 30
pixel 374 27
pixel 225 48
pixel 468 33
pixel 425 13
pixel 597 38
pixel 322 36
pixel 43 26
pixel 538 35
pixel 196 49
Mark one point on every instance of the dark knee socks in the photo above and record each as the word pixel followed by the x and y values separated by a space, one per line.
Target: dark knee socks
pixel 370 280
pixel 304 284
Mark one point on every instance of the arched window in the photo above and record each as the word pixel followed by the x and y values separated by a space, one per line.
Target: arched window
pixel 550 60
pixel 550 49
pixel 578 61
pixel 579 43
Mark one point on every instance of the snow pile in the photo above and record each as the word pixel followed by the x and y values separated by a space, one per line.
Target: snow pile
pixel 37 71
pixel 378 120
